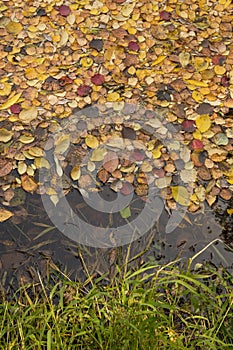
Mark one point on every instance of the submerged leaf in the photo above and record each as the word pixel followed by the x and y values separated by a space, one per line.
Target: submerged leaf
pixel 5 214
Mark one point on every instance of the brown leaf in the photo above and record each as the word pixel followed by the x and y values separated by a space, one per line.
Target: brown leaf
pixel 28 184
pixel 111 162
pixel 5 167
pixel 5 214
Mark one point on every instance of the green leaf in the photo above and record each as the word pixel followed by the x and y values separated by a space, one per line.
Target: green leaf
pixel 125 213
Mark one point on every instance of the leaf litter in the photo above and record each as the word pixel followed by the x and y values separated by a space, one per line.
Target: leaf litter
pixel 174 55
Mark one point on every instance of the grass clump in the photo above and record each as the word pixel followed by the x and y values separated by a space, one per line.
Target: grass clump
pixel 153 307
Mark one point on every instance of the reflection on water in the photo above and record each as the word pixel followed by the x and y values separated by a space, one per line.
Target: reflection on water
pixel 29 242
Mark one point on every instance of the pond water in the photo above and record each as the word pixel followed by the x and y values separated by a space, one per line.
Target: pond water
pixel 29 242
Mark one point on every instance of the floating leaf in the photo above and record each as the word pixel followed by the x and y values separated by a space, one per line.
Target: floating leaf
pixel 28 184
pixel 92 141
pixel 111 162
pixel 5 135
pixel 5 214
pixel 11 102
pixel 181 195
pixel 98 154
pixel 62 144
pixel 75 173
pixel 26 138
pixel 41 163
pixel 125 213
pixel 203 122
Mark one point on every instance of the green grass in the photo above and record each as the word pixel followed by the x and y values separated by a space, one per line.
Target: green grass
pixel 153 307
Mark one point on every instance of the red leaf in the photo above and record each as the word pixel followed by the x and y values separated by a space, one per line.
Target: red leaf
pixel 98 79
pixel 16 108
pixel 83 90
pixel 133 46
pixel 64 10
pixel 225 81
pixel 196 144
pixel 127 188
pixel 188 125
pixel 164 15
pixel 219 60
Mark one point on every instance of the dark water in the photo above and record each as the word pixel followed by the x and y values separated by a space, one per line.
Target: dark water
pixel 29 242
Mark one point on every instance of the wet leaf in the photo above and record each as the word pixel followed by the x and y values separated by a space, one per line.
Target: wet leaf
pixel 92 141
pixel 181 195
pixel 125 213
pixel 28 184
pixel 196 144
pixel 75 173
pixel 103 175
pixel 62 144
pixel 5 135
pixel 5 214
pixel 98 154
pixel 164 15
pixel 96 44
pixel 111 162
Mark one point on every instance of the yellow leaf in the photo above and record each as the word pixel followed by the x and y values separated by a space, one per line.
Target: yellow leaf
pixel 184 58
pixel 5 89
pixel 230 211
pixel 27 115
pixel 181 195
pixel 86 62
pixel 5 214
pixel 196 83
pixel 113 97
pixel 5 135
pixel 62 144
pixel 12 100
pixel 203 122
pixel 200 64
pixel 75 173
pixel 158 60
pixel 36 151
pixel 197 96
pixel 14 27
pixel 92 141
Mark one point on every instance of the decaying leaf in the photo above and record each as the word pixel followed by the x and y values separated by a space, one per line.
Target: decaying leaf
pixel 5 135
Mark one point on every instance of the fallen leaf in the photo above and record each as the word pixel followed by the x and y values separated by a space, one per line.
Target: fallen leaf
pixel 125 213
pixel 14 27
pixel 27 115
pixel 98 79
pixel 5 214
pixel 5 167
pixel 203 123
pixel 28 184
pixel 110 162
pixel 181 195
pixel 62 144
pixel 75 173
pixel 92 141
pixel 11 101
pixel 5 135
pixel 64 10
